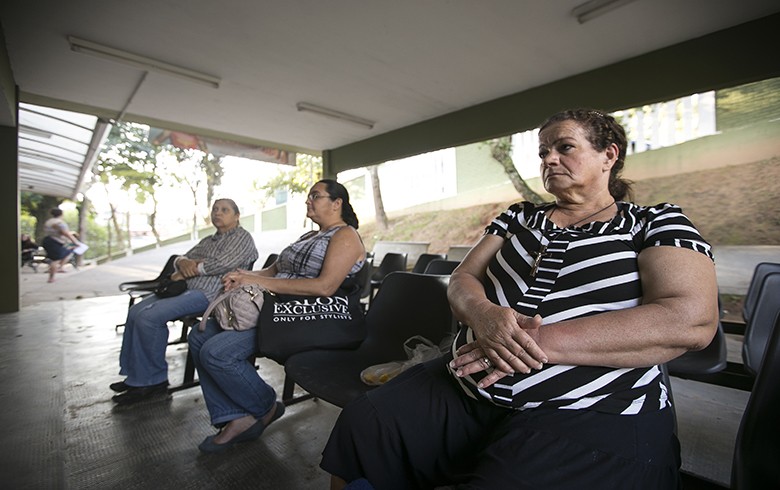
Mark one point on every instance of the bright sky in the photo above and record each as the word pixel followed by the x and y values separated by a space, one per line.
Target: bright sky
pixel 175 203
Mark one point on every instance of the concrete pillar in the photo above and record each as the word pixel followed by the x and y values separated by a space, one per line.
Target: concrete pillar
pixel 9 203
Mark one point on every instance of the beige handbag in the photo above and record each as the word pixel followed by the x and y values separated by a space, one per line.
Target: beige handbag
pixel 237 309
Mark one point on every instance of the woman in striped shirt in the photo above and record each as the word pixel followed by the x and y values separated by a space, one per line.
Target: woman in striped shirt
pixel 570 308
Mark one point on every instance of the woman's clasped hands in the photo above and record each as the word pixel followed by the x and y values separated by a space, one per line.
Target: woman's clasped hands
pixel 237 278
pixel 506 344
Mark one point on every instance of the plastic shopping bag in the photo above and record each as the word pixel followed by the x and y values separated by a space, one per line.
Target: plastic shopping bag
pixel 418 349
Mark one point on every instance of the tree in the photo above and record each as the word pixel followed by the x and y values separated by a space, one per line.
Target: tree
pixel 138 166
pixel 38 206
pixel 212 167
pixel 501 151
pixel 297 180
pixel 379 207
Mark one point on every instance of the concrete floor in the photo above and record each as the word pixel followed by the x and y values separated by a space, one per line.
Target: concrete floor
pixel 61 429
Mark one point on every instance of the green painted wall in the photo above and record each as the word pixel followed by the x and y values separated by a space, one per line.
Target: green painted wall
pixel 476 169
pixel 274 219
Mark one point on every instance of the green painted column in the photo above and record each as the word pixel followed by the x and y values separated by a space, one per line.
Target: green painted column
pixel 9 203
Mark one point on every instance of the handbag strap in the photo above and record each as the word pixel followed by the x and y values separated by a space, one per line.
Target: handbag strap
pixel 211 307
pixel 225 295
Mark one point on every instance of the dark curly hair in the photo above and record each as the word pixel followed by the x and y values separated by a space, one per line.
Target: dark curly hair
pixel 338 191
pixel 602 130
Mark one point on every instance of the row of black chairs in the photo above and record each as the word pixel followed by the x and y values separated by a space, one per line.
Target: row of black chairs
pixel 371 277
pixel 416 304
pixel 761 308
pixel 411 303
pixel 757 447
pixel 427 263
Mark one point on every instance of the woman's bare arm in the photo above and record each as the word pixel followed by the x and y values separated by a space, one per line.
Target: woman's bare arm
pixel 344 251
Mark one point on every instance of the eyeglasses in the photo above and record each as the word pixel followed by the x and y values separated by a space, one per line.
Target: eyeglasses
pixel 314 196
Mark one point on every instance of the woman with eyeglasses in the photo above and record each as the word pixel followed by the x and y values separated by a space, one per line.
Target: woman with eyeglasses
pixel 240 403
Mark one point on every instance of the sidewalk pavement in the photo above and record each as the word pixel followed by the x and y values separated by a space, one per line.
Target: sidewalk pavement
pixel 734 268
pixel 91 281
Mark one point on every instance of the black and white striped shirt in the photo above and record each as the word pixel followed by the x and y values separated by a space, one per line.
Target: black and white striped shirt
pixel 586 271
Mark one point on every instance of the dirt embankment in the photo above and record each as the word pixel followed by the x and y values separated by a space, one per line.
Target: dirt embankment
pixel 736 205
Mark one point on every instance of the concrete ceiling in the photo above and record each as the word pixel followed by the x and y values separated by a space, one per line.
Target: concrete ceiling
pixel 396 63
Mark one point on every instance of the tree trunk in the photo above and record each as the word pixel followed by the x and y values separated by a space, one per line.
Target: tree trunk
pixel 83 236
pixel 153 222
pixel 119 233
pixel 379 207
pixel 501 151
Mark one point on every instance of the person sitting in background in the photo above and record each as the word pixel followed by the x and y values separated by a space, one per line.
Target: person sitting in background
pixel 28 248
pixel 569 308
pixel 241 404
pixel 142 357
pixel 56 241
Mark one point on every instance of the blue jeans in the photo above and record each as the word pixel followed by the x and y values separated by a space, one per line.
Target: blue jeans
pixel 231 386
pixel 142 358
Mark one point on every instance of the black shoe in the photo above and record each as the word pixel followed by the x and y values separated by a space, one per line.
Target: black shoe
pixel 252 433
pixel 119 386
pixel 136 394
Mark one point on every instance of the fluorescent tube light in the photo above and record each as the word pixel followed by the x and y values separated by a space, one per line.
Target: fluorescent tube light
pixel 595 8
pixel 138 61
pixel 41 133
pixel 332 113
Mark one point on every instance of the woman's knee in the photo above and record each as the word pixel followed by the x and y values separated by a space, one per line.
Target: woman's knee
pixel 214 353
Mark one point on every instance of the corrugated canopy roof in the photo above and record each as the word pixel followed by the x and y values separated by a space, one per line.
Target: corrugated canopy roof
pixel 57 149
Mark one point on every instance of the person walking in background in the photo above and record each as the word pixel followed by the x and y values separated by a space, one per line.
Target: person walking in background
pixel 58 237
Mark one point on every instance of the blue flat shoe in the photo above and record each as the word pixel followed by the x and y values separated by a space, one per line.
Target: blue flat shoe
pixel 251 434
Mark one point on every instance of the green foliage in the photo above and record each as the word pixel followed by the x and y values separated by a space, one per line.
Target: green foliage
pixel 297 180
pixel 27 224
pixel 748 104
pixel 37 207
pixel 130 159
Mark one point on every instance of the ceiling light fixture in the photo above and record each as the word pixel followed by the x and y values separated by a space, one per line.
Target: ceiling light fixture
pixel 334 114
pixel 595 8
pixel 138 61
pixel 41 133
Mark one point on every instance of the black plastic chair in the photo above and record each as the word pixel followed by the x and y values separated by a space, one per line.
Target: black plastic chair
pixel 391 262
pixel 710 360
pixel 270 260
pixel 755 465
pixel 441 267
pixel 408 304
pixel 759 273
pixel 139 289
pixel 363 278
pixel 424 259
pixel 764 294
pixel 758 329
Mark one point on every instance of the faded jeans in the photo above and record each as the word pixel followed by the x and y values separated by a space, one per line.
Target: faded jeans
pixel 231 386
pixel 142 358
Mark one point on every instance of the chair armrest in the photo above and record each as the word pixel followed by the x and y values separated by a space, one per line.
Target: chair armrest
pixel 733 327
pixel 132 286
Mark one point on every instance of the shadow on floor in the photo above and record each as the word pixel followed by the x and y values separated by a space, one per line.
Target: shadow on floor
pixel 61 429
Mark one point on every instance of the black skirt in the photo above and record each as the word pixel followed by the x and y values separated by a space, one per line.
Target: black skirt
pixel 422 431
pixel 54 249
